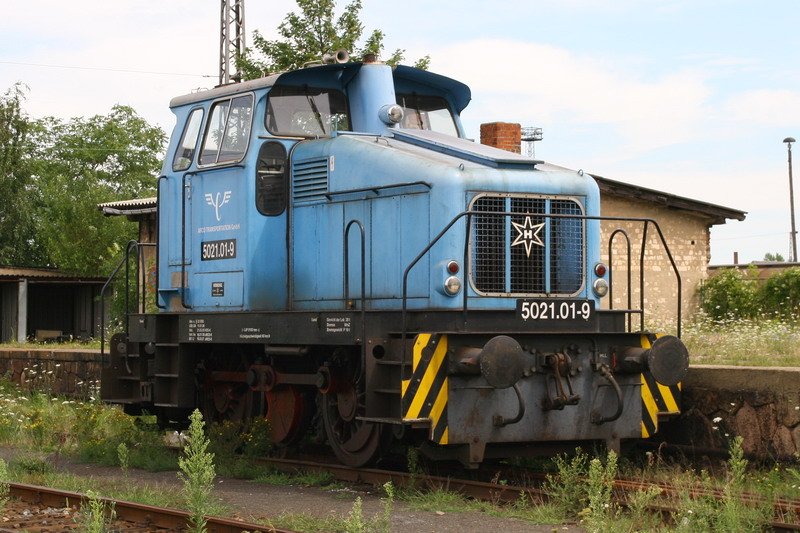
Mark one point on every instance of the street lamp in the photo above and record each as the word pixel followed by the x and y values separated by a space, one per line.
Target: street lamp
pixel 789 141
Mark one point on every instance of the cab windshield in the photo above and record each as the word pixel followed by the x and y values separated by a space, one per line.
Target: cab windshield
pixel 306 111
pixel 422 112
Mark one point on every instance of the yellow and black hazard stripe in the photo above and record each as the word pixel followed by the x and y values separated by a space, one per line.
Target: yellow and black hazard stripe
pixel 425 394
pixel 657 399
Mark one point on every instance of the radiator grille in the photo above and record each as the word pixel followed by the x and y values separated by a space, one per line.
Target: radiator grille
pixel 310 180
pixel 527 253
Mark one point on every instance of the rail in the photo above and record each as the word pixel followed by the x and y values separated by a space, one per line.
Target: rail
pixel 470 214
pixel 137 516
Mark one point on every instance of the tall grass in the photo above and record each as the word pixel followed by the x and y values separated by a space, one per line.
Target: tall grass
pixel 759 341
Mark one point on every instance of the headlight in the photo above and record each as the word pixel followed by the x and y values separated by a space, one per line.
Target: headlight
pixel 391 114
pixel 452 285
pixel 600 287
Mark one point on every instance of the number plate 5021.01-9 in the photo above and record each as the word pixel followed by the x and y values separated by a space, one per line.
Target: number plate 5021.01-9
pixel 556 310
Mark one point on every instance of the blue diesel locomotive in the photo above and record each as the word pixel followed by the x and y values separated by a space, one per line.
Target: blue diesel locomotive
pixel 334 255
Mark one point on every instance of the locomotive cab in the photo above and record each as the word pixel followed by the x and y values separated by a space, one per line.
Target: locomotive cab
pixel 332 250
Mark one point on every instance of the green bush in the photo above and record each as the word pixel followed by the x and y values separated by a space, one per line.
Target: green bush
pixel 731 294
pixel 780 295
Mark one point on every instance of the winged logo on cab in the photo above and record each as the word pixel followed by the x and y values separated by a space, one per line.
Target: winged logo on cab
pixel 215 202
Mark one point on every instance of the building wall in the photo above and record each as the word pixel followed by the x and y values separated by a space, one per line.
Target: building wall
pixel 8 311
pixel 688 239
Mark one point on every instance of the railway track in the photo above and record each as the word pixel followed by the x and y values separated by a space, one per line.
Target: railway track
pixel 786 511
pixel 40 509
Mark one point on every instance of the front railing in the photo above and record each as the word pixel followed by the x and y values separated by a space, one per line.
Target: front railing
pixel 469 215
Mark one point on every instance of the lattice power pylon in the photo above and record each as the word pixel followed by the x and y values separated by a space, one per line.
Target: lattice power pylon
pixel 231 40
pixel 529 136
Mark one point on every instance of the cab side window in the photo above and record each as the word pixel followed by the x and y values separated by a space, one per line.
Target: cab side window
pixel 228 131
pixel 185 153
pixel 272 174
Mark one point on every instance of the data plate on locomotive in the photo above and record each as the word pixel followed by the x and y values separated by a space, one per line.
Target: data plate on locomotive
pixel 212 250
pixel 556 309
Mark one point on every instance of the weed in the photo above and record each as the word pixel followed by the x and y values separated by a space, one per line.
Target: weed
pixel 707 513
pixel 638 508
pixel 599 485
pixel 96 515
pixel 4 486
pixel 124 457
pixel 567 490
pixel 384 521
pixel 355 520
pixel 197 473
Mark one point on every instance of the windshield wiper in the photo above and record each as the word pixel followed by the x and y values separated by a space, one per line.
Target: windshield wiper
pixel 315 111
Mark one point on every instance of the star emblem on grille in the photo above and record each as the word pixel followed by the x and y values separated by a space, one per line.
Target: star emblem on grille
pixel 528 234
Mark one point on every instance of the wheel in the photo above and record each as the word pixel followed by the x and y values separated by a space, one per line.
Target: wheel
pixel 289 411
pixel 225 395
pixel 355 442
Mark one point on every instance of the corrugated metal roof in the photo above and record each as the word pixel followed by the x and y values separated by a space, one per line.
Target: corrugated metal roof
pixel 136 202
pixel 17 273
pixel 137 206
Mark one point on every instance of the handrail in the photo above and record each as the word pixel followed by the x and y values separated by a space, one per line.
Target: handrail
pixel 470 213
pixel 641 279
pixel 611 271
pixel 363 283
pixel 377 190
pixel 132 245
pixel 183 239
pixel 125 260
pixel 158 237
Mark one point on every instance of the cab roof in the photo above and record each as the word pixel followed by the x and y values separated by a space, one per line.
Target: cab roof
pixel 337 76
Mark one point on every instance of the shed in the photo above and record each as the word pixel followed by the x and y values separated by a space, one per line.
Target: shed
pixel 47 304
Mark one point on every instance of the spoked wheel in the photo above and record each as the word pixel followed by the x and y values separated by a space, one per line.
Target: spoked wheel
pixel 355 442
pixel 225 394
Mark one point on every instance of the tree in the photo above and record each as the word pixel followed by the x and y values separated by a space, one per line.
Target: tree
pixel 79 163
pixel 18 245
pixel 307 36
pixel 776 257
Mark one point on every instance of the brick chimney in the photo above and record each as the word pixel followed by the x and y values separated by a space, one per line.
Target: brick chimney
pixel 503 135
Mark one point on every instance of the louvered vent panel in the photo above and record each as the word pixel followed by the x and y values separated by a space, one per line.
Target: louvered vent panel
pixel 310 180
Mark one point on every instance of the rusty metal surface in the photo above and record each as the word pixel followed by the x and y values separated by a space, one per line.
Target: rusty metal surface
pixel 146 517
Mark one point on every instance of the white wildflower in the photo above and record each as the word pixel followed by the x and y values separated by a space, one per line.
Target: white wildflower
pixel 717 420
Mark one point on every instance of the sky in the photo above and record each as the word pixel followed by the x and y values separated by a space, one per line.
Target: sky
pixel 690 97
